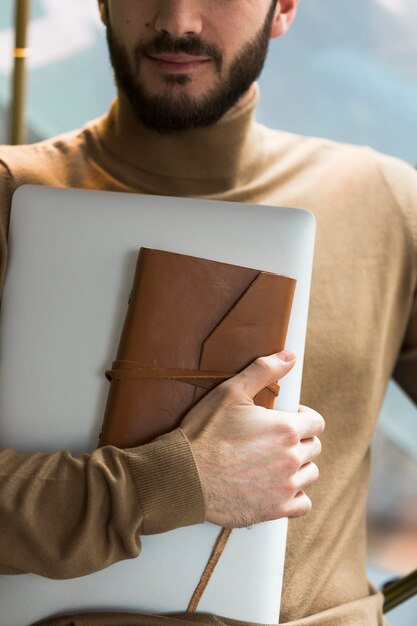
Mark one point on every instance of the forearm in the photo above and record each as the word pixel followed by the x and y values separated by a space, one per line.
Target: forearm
pixel 63 516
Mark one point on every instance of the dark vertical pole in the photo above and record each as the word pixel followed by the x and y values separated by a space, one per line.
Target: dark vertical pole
pixel 18 126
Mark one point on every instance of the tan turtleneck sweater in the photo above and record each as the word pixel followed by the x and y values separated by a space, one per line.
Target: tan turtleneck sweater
pixel 363 321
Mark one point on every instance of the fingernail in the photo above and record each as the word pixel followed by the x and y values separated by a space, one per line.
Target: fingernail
pixel 286 356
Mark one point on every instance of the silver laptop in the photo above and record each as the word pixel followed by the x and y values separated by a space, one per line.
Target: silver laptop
pixel 72 260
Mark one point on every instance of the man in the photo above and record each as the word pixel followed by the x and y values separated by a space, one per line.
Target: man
pixel 183 125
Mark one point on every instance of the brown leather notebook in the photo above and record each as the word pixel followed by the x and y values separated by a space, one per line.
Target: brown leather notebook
pixel 191 323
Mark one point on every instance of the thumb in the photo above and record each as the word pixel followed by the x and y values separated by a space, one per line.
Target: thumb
pixel 264 371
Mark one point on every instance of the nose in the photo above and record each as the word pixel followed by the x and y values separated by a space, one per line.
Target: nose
pixel 179 18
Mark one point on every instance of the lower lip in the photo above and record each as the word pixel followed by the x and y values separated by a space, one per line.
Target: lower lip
pixel 181 68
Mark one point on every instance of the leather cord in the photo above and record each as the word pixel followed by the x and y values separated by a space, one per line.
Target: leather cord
pixel 199 378
pixel 209 569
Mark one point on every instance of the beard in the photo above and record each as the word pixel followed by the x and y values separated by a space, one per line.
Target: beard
pixel 167 114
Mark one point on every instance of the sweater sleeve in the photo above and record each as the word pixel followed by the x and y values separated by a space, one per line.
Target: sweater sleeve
pixel 63 516
pixel 402 181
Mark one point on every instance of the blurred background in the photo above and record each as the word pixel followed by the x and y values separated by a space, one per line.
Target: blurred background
pixel 347 71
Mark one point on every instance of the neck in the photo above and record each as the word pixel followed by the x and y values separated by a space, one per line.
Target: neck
pixel 223 155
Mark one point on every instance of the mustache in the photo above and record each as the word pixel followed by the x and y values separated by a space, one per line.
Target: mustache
pixel 192 45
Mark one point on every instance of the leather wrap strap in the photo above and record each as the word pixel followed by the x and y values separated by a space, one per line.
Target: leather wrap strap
pixel 209 569
pixel 199 378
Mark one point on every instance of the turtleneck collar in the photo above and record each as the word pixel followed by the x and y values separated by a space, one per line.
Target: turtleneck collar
pixel 216 158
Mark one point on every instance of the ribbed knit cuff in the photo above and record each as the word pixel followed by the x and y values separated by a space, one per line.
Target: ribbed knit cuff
pixel 167 483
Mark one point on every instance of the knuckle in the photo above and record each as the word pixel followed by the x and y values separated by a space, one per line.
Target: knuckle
pixel 292 462
pixel 297 458
pixel 290 486
pixel 227 391
pixel 286 467
pixel 290 434
pixel 262 363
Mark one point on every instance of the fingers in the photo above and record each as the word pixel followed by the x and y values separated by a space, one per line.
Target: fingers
pixel 263 372
pixel 306 476
pixel 306 424
pixel 309 449
pixel 301 503
pixel 273 451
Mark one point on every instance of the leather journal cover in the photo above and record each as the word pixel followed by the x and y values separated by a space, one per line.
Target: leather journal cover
pixel 191 323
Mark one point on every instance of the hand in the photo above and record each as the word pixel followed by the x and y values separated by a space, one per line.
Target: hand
pixel 254 463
